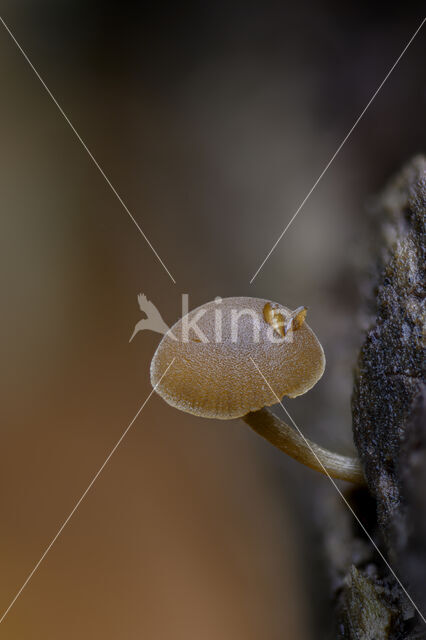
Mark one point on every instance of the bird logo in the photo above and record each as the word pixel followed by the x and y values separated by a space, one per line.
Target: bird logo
pixel 153 320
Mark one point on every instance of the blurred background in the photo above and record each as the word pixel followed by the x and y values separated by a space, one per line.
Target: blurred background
pixel 212 120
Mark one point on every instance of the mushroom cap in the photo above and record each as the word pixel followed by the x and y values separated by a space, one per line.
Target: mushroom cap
pixel 217 379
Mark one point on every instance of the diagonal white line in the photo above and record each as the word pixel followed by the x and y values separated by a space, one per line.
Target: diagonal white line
pixel 80 500
pixel 345 139
pixel 86 148
pixel 343 498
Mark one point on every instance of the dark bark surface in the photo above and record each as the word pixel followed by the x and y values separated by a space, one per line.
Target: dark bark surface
pixel 389 424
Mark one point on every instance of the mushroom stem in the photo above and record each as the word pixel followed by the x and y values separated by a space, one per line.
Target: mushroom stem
pixel 287 439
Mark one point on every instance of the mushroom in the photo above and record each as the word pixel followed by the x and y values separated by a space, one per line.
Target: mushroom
pixel 235 357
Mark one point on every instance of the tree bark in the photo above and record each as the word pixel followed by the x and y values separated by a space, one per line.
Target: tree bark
pixel 389 426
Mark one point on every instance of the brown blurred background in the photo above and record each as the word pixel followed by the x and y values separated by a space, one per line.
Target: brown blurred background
pixel 212 122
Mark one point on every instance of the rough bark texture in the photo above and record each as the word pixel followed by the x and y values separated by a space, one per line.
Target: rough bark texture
pixel 389 424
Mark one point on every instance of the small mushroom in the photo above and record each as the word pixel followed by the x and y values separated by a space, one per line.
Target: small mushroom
pixel 235 357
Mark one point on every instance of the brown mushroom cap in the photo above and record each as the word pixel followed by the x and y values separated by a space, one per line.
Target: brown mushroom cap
pixel 218 379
